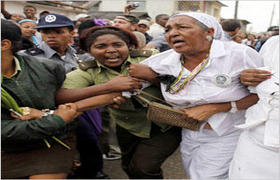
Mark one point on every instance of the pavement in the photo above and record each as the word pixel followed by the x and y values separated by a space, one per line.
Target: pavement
pixel 172 168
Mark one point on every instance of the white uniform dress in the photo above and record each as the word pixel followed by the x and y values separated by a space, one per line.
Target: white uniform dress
pixel 207 153
pixel 257 153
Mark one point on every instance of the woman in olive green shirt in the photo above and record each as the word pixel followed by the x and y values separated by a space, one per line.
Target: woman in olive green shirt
pixel 144 145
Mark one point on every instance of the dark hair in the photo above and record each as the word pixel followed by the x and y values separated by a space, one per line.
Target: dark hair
pixel 230 24
pixel 12 32
pixel 89 35
pixel 43 12
pixel 29 6
pixel 85 25
pixel 160 16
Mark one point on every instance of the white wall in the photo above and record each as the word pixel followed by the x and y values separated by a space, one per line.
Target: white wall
pixel 17 7
pixel 112 5
pixel 155 7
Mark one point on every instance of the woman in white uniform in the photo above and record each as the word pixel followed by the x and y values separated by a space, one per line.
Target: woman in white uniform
pixel 257 152
pixel 206 72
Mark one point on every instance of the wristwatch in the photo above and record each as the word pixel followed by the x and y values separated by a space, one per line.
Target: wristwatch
pixel 47 112
pixel 233 107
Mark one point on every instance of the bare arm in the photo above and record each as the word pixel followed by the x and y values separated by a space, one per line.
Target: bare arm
pixel 99 101
pixel 5 13
pixel 142 71
pixel 204 112
pixel 119 83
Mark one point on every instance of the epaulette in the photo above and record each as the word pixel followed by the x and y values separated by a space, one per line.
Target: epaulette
pixel 34 51
pixel 85 65
pixel 140 53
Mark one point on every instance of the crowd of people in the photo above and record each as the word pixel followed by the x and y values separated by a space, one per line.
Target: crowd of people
pixel 67 84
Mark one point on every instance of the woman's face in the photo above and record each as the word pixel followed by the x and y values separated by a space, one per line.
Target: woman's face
pixel 109 50
pixel 26 29
pixel 184 35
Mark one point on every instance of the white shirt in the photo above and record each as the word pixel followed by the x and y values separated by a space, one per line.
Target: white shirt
pixel 226 57
pixel 156 30
pixel 263 118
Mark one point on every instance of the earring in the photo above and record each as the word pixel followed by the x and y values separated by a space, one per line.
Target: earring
pixel 209 38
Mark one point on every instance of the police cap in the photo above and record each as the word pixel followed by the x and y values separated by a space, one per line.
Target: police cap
pixel 54 20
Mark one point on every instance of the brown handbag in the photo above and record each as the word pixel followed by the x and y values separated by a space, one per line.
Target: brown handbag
pixel 166 114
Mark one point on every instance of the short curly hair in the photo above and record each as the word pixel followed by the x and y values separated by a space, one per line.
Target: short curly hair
pixel 89 36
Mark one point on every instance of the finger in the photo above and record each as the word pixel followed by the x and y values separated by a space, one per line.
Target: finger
pixel 62 106
pixel 14 115
pixel 115 106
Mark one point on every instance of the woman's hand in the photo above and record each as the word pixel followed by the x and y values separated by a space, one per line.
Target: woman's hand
pixel 31 114
pixel 124 83
pixel 201 112
pixel 142 71
pixel 252 77
pixel 67 112
pixel 117 101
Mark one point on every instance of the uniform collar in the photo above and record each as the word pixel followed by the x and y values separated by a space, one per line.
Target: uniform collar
pixel 126 63
pixel 49 52
pixel 17 68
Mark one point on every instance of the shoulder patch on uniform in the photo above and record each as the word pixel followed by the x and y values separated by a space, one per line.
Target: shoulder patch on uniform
pixel 85 65
pixel 140 53
pixel 34 51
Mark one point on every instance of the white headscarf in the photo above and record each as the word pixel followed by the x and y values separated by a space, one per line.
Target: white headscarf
pixel 205 19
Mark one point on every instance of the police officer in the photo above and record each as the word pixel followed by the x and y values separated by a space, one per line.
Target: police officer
pixel 57 32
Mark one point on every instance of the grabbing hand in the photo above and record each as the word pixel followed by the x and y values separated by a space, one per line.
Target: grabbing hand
pixel 124 83
pixel 67 112
pixel 31 114
pixel 117 101
pixel 141 71
pixel 252 77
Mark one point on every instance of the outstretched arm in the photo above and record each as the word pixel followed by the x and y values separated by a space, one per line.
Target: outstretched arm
pixel 118 84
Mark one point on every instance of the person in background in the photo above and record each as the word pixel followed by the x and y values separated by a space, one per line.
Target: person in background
pixel 143 27
pixel 158 27
pixel 231 28
pixel 141 39
pixel 127 22
pixel 159 43
pixel 30 12
pixel 271 31
pixel 28 31
pixel 43 13
pixel 80 18
pixel 257 152
pixel 14 17
pixel 251 41
pixel 237 38
pixel 57 32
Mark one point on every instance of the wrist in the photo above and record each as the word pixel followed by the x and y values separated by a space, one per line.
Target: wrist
pixel 46 112
pixel 233 107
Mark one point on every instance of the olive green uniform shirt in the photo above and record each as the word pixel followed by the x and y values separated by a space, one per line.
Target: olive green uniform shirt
pixel 131 115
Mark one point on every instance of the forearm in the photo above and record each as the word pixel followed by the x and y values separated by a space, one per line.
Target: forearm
pixel 241 104
pixel 96 101
pixel 72 95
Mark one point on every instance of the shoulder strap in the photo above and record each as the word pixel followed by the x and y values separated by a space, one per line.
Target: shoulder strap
pixel 140 53
pixel 85 65
pixel 34 51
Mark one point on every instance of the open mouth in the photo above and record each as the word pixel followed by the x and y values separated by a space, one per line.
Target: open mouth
pixel 178 42
pixel 113 59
